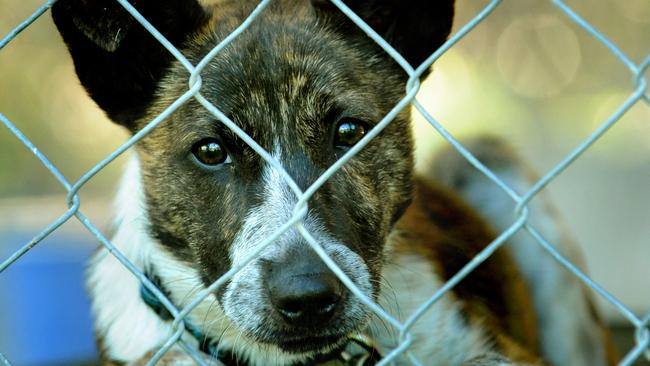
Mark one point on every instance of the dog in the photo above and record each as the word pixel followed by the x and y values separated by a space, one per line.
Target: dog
pixel 196 200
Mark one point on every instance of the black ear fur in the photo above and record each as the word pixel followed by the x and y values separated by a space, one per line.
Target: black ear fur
pixel 117 60
pixel 415 28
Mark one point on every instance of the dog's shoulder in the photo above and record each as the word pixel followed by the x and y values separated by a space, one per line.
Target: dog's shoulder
pixel 440 234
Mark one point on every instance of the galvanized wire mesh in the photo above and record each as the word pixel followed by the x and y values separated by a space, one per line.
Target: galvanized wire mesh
pixel 639 93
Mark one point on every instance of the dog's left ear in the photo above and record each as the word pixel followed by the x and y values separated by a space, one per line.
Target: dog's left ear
pixel 415 28
pixel 117 60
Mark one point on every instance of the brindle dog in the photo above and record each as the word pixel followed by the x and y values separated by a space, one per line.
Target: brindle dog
pixel 306 84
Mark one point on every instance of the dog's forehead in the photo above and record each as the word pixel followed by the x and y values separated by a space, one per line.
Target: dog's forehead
pixel 274 61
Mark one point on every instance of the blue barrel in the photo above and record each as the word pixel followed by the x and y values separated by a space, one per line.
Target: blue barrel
pixel 44 309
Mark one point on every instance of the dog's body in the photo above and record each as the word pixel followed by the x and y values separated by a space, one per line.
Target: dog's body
pixel 197 201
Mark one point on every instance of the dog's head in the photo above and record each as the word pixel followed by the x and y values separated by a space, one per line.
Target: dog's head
pixel 306 84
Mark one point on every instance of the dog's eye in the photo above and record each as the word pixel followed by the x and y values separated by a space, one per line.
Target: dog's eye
pixel 210 152
pixel 348 132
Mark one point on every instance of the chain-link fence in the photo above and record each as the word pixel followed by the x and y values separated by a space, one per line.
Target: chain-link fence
pixel 638 94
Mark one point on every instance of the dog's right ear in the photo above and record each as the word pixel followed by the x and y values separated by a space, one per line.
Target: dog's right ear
pixel 118 61
pixel 415 28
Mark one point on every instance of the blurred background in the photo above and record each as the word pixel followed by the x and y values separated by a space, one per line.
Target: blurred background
pixel 527 74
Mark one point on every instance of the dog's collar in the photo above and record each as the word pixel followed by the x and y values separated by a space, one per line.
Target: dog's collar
pixel 360 350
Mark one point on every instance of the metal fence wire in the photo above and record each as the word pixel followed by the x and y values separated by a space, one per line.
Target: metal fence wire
pixel 638 94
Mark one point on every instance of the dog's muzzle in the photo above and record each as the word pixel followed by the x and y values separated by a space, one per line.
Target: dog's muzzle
pixel 317 296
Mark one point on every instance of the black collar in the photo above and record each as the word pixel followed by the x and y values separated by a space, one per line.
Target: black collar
pixel 360 351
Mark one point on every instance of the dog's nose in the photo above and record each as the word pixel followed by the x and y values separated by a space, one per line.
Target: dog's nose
pixel 304 296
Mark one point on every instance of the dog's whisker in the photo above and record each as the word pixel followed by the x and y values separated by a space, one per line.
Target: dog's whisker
pixel 190 294
pixel 207 314
pixel 235 342
pixel 191 279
